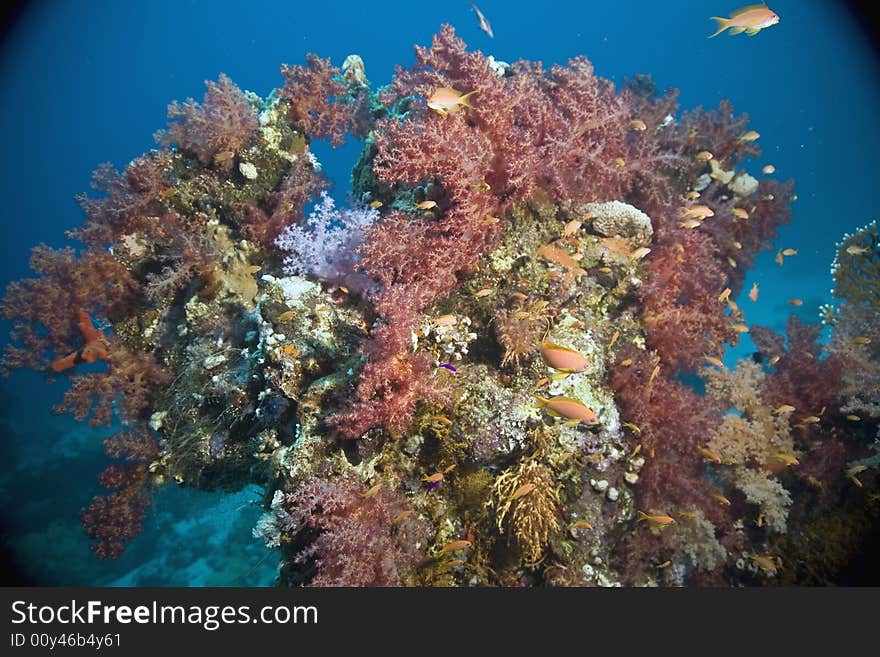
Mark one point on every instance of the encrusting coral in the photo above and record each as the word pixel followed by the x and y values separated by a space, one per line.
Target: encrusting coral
pixel 484 365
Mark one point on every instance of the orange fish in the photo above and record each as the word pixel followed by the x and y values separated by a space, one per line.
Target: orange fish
pixel 568 408
pixel 700 211
pixel 750 19
pixel 658 520
pixel 703 156
pixel 426 205
pixel 525 489
pixel 562 358
pixel 455 545
pixel 709 454
pixel 753 293
pixel 740 213
pixel 448 101
pixel 795 302
pixel 572 227
pixel 434 478
pixel 751 135
pixel 372 491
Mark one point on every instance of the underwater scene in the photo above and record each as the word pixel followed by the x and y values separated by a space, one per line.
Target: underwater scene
pixel 472 295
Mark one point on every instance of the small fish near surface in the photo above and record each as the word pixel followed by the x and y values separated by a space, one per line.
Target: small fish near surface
pixel 750 19
pixel 446 100
pixel 484 23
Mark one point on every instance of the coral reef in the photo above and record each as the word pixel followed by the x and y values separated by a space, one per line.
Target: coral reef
pixel 492 367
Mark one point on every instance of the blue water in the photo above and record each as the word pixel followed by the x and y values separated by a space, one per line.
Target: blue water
pixel 84 83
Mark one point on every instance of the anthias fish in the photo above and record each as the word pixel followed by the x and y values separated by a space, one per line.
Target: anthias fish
pixel 448 101
pixel 750 19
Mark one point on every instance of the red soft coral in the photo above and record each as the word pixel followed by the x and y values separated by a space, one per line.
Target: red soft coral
pixel 683 315
pixel 133 377
pixel 361 540
pixel 46 308
pixel 115 519
pixel 321 105
pixel 215 129
pixel 803 378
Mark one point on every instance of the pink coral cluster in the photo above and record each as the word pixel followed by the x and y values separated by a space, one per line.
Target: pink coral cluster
pixel 114 519
pixel 351 537
pixel 321 104
pixel 214 130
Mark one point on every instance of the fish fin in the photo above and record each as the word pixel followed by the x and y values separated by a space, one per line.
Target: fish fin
pixel 752 31
pixel 462 99
pixel 723 24
pixel 737 30
pixel 560 375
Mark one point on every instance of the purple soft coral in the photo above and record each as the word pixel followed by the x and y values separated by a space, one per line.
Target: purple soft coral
pixel 325 248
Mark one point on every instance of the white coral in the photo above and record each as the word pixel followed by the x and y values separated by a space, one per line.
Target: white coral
pixel 618 218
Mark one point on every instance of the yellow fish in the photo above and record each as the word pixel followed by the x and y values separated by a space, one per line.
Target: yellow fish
pixel 860 341
pixel 372 491
pixel 856 250
pixel 581 524
pixel 449 101
pixel 639 253
pixel 703 156
pixel 698 211
pixel 785 458
pixel 709 454
pixel 750 19
pixel 376 204
pixel 426 205
pixel 525 489
pixel 658 520
pixel 740 213
pixel 638 125
pixel 455 546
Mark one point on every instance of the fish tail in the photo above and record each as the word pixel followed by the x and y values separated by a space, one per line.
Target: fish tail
pixel 723 24
pixel 642 516
pixel 462 100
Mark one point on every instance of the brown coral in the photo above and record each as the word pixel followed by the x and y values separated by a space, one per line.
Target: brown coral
pixel 528 494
